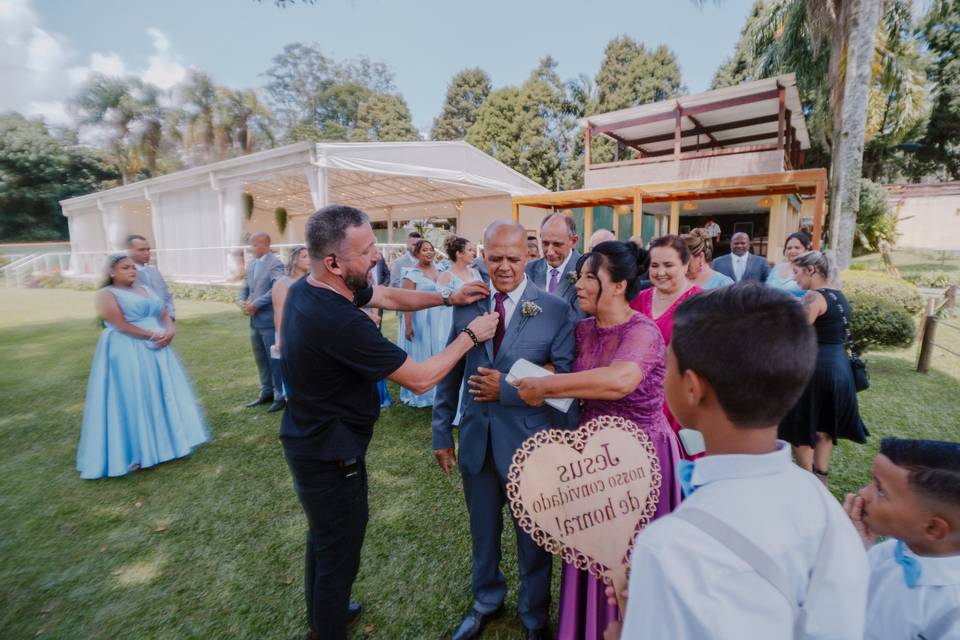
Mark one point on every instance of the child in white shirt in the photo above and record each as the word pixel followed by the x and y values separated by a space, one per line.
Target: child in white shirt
pixel 759 548
pixel 914 499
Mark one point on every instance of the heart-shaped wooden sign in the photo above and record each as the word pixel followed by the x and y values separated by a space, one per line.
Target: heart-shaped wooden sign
pixel 584 494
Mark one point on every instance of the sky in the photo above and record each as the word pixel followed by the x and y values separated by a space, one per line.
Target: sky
pixel 48 47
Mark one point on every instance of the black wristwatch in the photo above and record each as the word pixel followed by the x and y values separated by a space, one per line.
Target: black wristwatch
pixel 445 295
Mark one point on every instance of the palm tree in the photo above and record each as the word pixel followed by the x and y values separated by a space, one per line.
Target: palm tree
pixel 198 100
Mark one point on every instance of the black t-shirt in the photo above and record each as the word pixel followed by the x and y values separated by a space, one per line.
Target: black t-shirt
pixel 333 356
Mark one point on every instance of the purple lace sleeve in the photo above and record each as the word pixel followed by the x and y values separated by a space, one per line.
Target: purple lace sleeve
pixel 642 343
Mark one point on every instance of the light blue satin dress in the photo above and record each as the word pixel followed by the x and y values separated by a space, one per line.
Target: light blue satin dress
pixel 781 277
pixel 428 336
pixel 717 280
pixel 447 323
pixel 140 408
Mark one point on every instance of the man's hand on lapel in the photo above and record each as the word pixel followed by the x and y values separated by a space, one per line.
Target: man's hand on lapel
pixel 485 385
pixel 469 293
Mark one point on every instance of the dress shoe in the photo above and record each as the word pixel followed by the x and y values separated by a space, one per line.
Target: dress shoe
pixel 354 609
pixel 279 405
pixel 543 633
pixel 259 401
pixel 474 623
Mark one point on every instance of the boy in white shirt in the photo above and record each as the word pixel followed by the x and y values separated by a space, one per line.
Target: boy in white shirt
pixel 759 548
pixel 914 499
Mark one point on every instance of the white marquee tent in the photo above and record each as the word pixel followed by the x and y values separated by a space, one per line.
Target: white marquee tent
pixel 197 221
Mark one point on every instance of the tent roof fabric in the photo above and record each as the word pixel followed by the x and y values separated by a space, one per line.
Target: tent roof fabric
pixel 374 174
pixel 758 117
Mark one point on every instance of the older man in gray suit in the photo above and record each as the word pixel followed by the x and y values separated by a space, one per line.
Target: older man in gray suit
pixel 494 422
pixel 552 272
pixel 256 300
pixel 138 248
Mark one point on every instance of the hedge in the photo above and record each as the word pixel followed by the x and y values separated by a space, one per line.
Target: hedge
pixel 870 283
pixel 878 322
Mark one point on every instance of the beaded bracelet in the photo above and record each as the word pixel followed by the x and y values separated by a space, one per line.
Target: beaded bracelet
pixel 472 335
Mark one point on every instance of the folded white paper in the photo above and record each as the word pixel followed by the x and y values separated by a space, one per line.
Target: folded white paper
pixel 692 441
pixel 525 369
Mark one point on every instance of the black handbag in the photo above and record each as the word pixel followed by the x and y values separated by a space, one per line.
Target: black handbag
pixel 858 366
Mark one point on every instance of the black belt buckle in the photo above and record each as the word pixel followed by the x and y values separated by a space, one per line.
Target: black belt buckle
pixel 349 467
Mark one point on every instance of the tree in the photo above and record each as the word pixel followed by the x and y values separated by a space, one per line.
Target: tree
pixel 740 67
pixel 199 103
pixel 384 117
pixel 243 122
pixel 465 94
pixel 37 171
pixel 123 117
pixel 497 129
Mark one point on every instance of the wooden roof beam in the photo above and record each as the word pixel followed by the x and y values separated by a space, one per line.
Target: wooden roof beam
pixel 699 128
pixel 722 143
pixel 725 126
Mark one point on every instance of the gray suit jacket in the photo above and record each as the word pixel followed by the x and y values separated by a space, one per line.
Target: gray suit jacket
pixel 396 269
pixel 258 289
pixel 149 277
pixel 537 271
pixel 756 269
pixel 545 337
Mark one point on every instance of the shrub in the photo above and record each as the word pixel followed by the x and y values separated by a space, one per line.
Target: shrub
pixel 875 220
pixel 900 292
pixel 928 279
pixel 878 322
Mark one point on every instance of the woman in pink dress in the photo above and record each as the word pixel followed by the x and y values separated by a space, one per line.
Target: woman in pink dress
pixel 668 274
pixel 619 369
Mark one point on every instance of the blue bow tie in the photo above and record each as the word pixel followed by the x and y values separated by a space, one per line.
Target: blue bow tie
pixel 911 568
pixel 685 476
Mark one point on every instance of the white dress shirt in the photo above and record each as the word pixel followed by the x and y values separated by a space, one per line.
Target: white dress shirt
pixel 686 584
pixel 510 302
pixel 561 271
pixel 894 610
pixel 712 229
pixel 739 266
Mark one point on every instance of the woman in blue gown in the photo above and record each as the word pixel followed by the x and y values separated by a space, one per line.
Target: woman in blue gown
pixel 782 276
pixel 140 408
pixel 422 328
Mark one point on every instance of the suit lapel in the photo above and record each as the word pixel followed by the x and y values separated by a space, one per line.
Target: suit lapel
pixel 517 320
pixel 483 306
pixel 563 283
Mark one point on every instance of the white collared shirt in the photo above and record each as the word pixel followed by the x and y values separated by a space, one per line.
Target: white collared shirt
pixel 510 303
pixel 561 270
pixel 686 584
pixel 739 265
pixel 894 610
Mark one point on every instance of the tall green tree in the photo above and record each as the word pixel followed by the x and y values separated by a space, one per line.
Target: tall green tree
pixel 37 170
pixel 384 117
pixel 497 129
pixel 741 66
pixel 465 94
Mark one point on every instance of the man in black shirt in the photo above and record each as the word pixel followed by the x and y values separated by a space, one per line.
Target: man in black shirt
pixel 333 356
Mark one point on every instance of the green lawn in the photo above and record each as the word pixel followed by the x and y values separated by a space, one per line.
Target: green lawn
pixel 211 546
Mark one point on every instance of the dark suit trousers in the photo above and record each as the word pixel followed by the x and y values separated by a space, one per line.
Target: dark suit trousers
pixel 486 496
pixel 271 379
pixel 334 499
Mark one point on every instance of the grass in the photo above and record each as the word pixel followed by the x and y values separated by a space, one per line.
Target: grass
pixel 914 262
pixel 211 546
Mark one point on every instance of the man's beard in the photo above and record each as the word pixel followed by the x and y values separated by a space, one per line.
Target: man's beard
pixel 356 281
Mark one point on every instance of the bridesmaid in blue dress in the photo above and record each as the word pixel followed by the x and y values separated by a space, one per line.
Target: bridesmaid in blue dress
pixel 140 408
pixel 782 276
pixel 461 254
pixel 422 328
pixel 699 271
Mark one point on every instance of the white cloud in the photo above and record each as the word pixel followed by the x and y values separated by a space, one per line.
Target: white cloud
pixel 40 70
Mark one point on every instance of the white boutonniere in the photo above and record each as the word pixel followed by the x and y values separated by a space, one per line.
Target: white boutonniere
pixel 572 277
pixel 529 309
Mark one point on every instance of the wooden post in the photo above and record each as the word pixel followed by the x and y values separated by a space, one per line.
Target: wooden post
pixel 587 224
pixel 781 119
pixel 516 212
pixel 818 212
pixel 586 148
pixel 677 137
pixel 926 343
pixel 637 213
pixel 674 227
pixel 950 301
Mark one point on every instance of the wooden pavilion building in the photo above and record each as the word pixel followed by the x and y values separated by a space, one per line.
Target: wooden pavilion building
pixel 734 155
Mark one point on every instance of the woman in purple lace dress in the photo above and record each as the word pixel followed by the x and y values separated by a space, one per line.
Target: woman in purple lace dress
pixel 619 369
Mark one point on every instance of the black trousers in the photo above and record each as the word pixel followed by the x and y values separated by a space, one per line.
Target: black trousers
pixel 334 499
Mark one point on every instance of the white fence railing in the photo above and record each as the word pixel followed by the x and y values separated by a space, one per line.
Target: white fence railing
pixel 209 265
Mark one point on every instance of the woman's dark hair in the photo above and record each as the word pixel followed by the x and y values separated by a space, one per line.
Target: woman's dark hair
pixel 113 261
pixel 674 242
pixel 454 246
pixel 623 261
pixel 419 245
pixel 800 237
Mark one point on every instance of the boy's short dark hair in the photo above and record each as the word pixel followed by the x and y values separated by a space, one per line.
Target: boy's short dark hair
pixel 414 234
pixel 934 466
pixel 752 344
